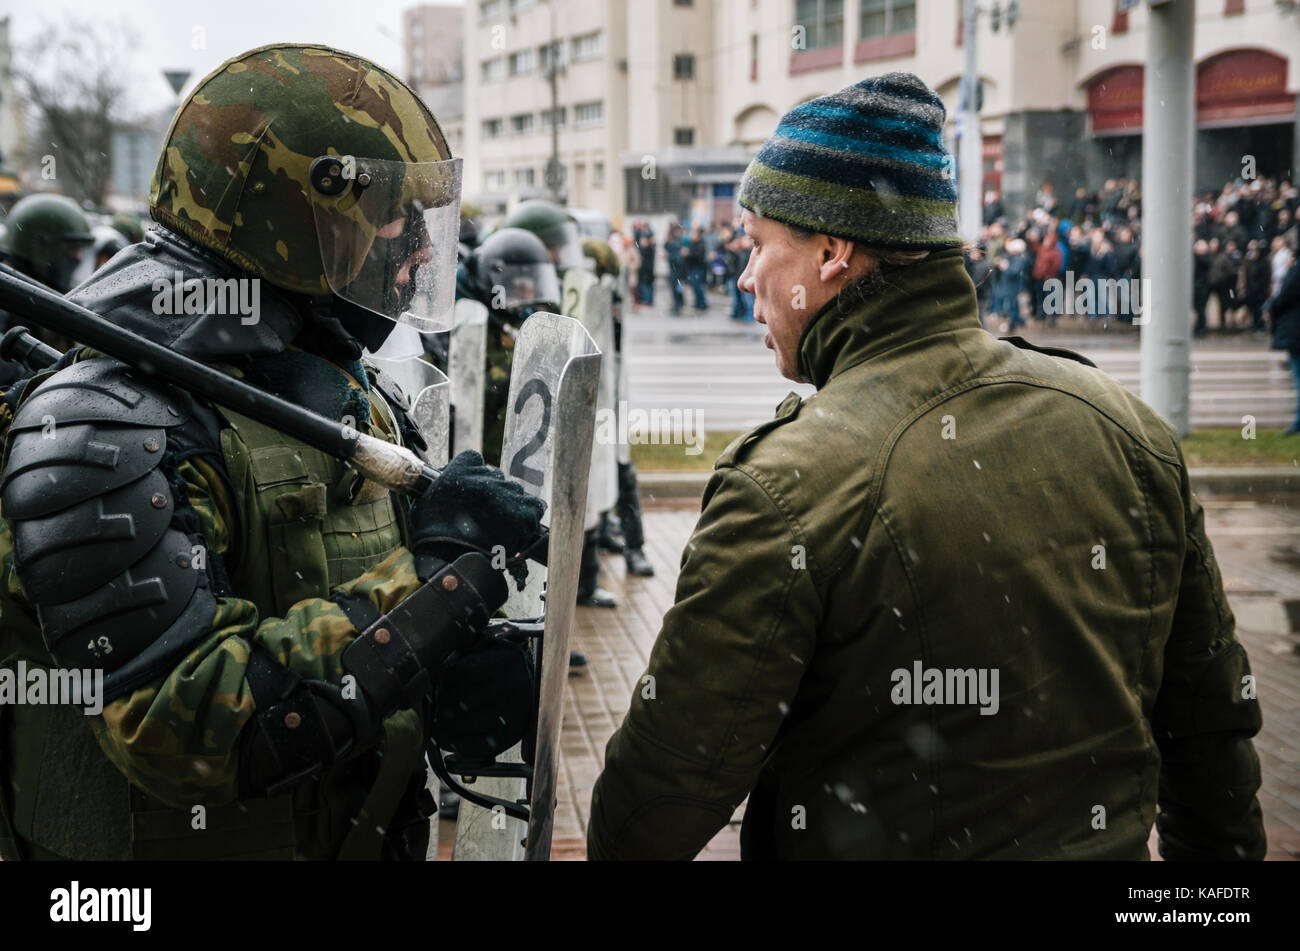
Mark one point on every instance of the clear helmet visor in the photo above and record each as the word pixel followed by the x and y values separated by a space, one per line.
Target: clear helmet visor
pixel 388 234
pixel 568 252
pixel 516 286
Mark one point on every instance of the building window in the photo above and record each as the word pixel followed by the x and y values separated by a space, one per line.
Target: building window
pixel 492 128
pixel 521 124
pixel 753 57
pixel 519 6
pixel 1119 22
pixel 494 180
pixel 1233 7
pixel 588 46
pixel 684 66
pixel 559 118
pixel 491 9
pixel 822 20
pixel 494 70
pixel 886 17
pixel 522 62
pixel 589 113
pixel 683 136
pixel 551 52
pixel 683 3
pixel 525 176
pixel 598 174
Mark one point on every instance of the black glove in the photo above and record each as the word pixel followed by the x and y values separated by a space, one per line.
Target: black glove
pixel 474 507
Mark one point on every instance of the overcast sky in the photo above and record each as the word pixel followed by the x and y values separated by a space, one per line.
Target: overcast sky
pixel 185 34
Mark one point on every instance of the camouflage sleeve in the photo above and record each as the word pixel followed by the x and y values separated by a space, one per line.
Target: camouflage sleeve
pixel 178 738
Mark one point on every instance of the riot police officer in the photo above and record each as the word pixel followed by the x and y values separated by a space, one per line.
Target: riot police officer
pixel 271 625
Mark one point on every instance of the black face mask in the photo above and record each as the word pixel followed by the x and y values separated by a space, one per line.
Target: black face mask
pixel 338 329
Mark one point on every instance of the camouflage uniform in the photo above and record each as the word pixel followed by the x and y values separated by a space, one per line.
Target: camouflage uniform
pixel 295 551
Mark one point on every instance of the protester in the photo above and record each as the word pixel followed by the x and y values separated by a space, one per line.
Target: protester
pixel 892 524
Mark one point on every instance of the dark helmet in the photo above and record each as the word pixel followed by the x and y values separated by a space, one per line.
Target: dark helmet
pixel 108 241
pixel 554 225
pixel 48 237
pixel 512 271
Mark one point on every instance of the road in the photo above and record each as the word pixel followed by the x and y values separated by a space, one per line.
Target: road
pixel 719 368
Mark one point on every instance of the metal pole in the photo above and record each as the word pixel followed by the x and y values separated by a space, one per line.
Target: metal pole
pixel 393 466
pixel 1168 160
pixel 970 147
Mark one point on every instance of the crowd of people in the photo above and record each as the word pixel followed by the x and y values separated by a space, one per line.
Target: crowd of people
pixel 1245 240
pixel 701 258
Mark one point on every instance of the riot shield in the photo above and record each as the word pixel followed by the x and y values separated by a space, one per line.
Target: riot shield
pixel 618 286
pixel 466 362
pixel 592 304
pixel 548 436
pixel 428 391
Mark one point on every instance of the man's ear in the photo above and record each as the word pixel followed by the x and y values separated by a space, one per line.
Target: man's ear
pixel 836 256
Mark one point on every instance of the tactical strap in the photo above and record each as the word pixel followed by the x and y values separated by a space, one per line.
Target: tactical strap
pixel 403 739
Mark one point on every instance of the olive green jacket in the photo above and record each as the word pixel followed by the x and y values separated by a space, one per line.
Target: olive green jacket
pixel 947 509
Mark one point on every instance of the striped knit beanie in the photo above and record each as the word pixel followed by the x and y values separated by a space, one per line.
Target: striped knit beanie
pixel 866 164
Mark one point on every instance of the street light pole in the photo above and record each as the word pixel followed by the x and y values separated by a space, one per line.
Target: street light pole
pixel 1168 165
pixel 970 147
pixel 553 166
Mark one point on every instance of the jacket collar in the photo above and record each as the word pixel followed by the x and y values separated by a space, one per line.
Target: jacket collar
pixel 918 300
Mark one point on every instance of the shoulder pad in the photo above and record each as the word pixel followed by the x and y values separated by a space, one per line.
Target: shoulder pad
pixel 100 390
pixel 112 579
pixel 787 410
pixel 1024 344
pixel 89 428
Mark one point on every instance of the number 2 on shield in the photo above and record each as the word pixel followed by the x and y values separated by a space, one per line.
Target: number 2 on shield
pixel 518 467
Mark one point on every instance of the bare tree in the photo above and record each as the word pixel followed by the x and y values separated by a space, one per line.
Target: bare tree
pixel 73 81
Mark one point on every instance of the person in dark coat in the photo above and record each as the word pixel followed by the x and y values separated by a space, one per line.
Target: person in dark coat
pixel 673 249
pixel 1283 309
pixel 645 279
pixel 977 268
pixel 1259 273
pixel 1201 257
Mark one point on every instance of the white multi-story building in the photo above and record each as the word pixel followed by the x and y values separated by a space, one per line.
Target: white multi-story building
pixel 689 89
pixel 1062 87
pixel 512 115
pixel 433 46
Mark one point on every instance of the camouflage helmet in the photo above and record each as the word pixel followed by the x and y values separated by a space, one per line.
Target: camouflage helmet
pixel 602 256
pixel 48 237
pixel 129 226
pixel 554 225
pixel 294 161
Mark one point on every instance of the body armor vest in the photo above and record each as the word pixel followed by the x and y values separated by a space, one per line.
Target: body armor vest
pixel 308 524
